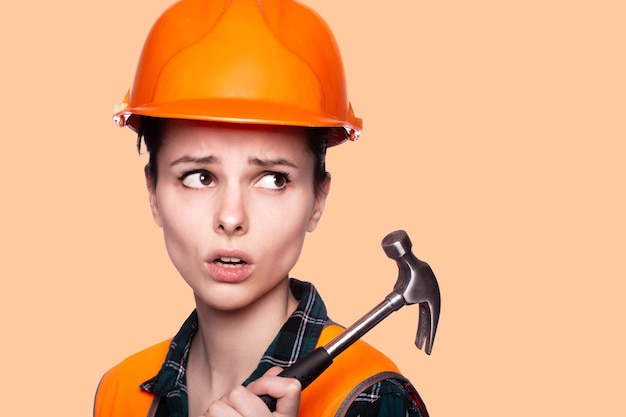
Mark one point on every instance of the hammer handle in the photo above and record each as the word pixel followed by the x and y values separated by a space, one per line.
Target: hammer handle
pixel 305 370
pixel 345 339
pixel 309 367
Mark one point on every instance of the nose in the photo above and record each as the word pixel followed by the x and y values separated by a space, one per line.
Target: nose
pixel 231 214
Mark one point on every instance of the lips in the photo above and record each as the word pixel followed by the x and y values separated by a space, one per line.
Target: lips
pixel 229 267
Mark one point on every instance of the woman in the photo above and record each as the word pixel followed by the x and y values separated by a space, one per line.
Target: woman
pixel 236 102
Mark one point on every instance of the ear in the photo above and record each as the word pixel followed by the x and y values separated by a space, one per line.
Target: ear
pixel 320 203
pixel 154 206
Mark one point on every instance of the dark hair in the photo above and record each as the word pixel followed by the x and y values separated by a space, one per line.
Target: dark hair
pixel 151 130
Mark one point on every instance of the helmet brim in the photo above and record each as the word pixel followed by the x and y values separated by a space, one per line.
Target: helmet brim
pixel 243 111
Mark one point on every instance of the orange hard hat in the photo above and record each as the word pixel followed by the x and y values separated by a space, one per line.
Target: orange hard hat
pixel 242 61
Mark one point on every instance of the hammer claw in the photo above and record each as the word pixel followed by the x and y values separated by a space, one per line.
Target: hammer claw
pixel 425 329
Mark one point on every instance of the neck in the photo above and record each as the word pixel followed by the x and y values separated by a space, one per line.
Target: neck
pixel 230 344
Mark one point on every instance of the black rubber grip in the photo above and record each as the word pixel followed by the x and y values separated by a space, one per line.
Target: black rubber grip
pixel 305 370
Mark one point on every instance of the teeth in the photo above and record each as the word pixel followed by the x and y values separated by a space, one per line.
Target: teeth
pixel 229 262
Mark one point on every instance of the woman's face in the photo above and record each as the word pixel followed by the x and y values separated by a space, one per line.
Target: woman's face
pixel 235 202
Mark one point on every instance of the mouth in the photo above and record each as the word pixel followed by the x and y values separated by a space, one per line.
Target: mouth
pixel 229 267
pixel 229 262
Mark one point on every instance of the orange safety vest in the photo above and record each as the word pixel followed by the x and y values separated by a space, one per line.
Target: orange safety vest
pixel 330 395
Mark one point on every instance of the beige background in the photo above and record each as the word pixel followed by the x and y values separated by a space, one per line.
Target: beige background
pixel 495 135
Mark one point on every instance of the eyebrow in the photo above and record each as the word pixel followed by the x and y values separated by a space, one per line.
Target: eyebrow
pixel 198 160
pixel 209 159
pixel 271 162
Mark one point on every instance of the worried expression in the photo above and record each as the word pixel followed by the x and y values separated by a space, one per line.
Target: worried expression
pixel 235 203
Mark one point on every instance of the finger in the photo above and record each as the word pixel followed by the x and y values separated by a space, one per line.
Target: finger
pixel 242 402
pixel 285 390
pixel 273 371
pixel 220 408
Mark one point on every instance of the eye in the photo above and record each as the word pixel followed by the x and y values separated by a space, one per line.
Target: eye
pixel 273 181
pixel 197 179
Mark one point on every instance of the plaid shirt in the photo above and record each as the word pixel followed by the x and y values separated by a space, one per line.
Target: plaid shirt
pixel 297 338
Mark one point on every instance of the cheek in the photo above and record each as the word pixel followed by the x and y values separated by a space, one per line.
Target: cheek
pixel 175 242
pixel 179 226
pixel 293 219
pixel 181 238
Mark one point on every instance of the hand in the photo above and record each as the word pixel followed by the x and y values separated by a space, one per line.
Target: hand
pixel 245 402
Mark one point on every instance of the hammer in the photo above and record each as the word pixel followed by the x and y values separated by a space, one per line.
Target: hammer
pixel 416 284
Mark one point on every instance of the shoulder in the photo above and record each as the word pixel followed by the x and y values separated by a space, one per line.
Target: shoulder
pixel 143 364
pixel 369 359
pixel 359 377
pixel 392 395
pixel 119 387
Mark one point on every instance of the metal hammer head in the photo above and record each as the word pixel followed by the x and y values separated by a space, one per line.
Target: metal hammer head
pixel 417 285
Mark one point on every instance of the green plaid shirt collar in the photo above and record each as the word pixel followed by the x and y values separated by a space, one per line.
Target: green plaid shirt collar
pixel 297 337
